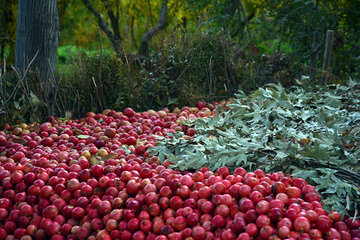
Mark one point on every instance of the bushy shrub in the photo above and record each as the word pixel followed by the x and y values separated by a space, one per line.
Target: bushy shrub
pixel 21 98
pixel 181 70
pixel 177 73
pixel 198 67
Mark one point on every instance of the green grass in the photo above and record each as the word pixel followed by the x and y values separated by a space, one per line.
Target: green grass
pixel 63 52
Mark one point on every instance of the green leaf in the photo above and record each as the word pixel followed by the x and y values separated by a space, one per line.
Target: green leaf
pixel 83 136
pixel 94 161
pixel 107 157
pixel 172 101
pixel 17 105
pixel 126 149
pixel 35 101
pixel 298 132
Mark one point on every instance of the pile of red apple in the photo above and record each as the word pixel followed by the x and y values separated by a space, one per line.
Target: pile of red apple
pixel 74 180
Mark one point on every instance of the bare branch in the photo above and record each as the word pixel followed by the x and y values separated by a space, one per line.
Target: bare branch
pixel 151 17
pixel 314 55
pixel 102 103
pixel 61 77
pixel 144 44
pixel 114 20
pixel 21 79
pixel 246 21
pixel 115 40
pixel 117 9
pixel 132 32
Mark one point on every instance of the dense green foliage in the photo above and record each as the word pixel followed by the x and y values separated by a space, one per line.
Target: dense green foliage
pixel 182 71
pixel 290 26
pixel 8 13
pixel 175 75
pixel 309 133
pixel 303 18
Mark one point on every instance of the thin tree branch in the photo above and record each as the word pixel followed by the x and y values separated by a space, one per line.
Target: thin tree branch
pixel 21 79
pixel 314 56
pixel 316 4
pixel 117 9
pixel 151 17
pixel 57 86
pixel 132 32
pixel 116 42
pixel 2 88
pixel 61 77
pixel 246 21
pixel 114 20
pixel 144 44
pixel 102 103
pixel 8 39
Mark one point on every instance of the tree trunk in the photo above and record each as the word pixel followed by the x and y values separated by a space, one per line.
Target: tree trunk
pixel 327 56
pixel 114 35
pixel 38 31
pixel 144 43
pixel 314 55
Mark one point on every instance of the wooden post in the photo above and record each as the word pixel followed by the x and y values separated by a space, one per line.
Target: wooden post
pixel 314 55
pixel 327 56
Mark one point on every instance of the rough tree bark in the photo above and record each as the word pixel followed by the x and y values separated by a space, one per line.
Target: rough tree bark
pixel 144 44
pixel 38 31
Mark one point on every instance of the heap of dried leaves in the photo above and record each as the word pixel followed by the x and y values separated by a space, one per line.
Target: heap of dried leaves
pixel 310 133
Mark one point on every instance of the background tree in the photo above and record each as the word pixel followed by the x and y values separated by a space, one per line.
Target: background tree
pixel 38 37
pixel 8 11
pixel 296 23
pixel 113 33
pixel 200 49
pixel 144 44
